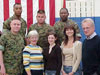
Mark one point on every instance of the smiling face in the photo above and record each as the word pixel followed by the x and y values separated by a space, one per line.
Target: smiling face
pixel 15 26
pixel 51 39
pixel 33 39
pixel 69 32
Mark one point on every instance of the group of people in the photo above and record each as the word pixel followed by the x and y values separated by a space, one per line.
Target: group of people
pixel 48 50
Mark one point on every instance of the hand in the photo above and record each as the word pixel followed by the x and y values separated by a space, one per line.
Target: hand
pixel 2 70
pixel 28 72
pixel 71 73
pixel 63 73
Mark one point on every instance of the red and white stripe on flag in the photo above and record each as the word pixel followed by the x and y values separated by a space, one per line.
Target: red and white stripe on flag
pixel 30 8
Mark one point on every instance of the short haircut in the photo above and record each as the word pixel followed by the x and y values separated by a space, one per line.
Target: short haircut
pixel 14 19
pixel 64 9
pixel 16 4
pixel 32 33
pixel 89 20
pixel 41 11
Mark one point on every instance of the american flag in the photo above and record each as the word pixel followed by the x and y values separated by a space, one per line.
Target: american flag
pixel 30 8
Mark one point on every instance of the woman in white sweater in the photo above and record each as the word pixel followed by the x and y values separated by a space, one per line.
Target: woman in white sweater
pixel 71 51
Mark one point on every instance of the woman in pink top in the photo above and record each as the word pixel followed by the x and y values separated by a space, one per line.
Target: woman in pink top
pixel 71 50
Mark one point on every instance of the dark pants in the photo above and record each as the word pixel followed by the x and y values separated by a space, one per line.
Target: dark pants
pixel 34 72
pixel 90 74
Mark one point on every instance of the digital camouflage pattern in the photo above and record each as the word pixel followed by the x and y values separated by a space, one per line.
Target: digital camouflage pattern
pixel 6 25
pixel 42 30
pixel 12 46
pixel 59 28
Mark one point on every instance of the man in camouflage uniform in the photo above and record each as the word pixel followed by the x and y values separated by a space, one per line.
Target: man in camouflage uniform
pixel 11 45
pixel 42 28
pixel 59 26
pixel 17 8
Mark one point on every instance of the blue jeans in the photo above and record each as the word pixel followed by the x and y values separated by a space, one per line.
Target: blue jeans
pixel 68 69
pixel 50 72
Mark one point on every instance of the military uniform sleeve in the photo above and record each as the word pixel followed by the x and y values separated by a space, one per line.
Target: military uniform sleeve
pixel 2 42
pixel 76 27
pixel 51 29
pixel 26 59
pixel 59 27
pixel 6 26
pixel 55 26
pixel 71 22
pixel 30 28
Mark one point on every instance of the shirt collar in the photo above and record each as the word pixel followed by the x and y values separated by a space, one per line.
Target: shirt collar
pixel 15 17
pixel 93 35
pixel 52 45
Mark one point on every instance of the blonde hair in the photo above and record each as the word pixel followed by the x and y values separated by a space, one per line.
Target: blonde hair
pixel 88 20
pixel 32 33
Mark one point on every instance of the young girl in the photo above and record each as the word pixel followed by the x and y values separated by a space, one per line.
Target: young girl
pixel 71 50
pixel 52 56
